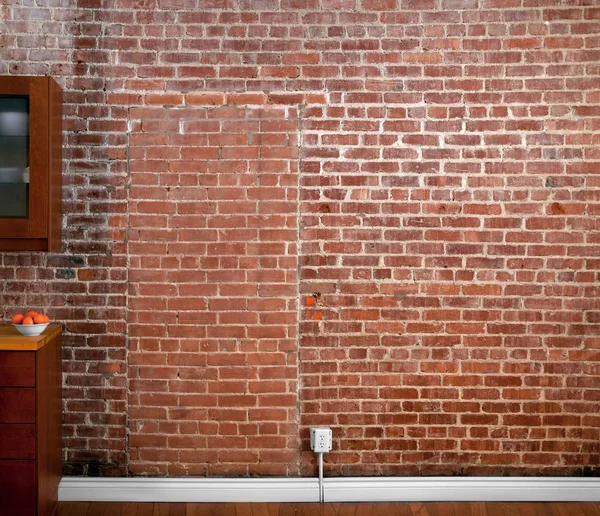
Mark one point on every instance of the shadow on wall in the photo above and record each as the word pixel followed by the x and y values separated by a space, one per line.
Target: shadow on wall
pixel 84 286
pixel 95 208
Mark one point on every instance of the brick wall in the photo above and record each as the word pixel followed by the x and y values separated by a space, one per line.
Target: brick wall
pixel 413 185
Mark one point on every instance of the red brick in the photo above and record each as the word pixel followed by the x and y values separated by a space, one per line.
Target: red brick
pixel 172 99
pixel 204 99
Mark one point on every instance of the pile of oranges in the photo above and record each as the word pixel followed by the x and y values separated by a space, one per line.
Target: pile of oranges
pixel 30 318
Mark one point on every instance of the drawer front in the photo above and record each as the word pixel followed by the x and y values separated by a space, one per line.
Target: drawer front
pixel 17 405
pixel 18 495
pixel 17 369
pixel 17 441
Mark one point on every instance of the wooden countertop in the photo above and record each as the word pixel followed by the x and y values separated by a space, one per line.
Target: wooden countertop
pixel 12 340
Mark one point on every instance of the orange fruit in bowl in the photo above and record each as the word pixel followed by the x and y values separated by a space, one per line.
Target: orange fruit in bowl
pixel 31 314
pixel 39 319
pixel 18 318
pixel 46 319
pixel 27 320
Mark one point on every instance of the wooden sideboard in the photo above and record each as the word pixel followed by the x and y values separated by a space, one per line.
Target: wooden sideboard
pixel 30 421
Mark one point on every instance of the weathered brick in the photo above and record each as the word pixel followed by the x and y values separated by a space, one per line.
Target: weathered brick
pixel 447 191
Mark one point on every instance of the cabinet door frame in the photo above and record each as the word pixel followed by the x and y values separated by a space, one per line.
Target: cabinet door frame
pixel 36 225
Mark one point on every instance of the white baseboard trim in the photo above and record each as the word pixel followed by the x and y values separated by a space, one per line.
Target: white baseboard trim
pixel 80 489
pixel 462 489
pixel 339 489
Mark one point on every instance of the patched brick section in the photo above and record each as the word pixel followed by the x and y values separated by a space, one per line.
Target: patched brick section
pixel 213 287
pixel 450 241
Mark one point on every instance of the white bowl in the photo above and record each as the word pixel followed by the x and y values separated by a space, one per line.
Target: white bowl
pixel 31 330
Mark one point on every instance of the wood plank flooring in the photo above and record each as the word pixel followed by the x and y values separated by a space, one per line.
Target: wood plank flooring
pixel 328 509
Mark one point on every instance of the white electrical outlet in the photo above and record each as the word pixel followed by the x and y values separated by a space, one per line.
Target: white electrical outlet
pixel 321 440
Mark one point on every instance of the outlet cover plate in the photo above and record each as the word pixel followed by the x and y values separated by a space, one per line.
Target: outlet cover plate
pixel 321 440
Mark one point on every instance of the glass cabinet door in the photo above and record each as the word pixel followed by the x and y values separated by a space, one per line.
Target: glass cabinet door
pixel 30 163
pixel 14 157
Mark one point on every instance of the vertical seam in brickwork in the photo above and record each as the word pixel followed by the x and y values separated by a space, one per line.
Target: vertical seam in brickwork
pixel 127 284
pixel 298 291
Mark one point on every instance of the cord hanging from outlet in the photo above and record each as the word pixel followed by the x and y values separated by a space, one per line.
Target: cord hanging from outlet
pixel 321 441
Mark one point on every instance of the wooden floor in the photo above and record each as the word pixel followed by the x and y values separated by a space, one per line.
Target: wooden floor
pixel 328 509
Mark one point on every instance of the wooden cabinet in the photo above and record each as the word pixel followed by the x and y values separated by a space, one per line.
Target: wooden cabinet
pixel 30 164
pixel 30 422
